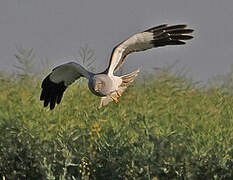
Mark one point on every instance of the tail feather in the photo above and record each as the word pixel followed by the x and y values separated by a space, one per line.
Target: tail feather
pixel 126 81
pixel 129 78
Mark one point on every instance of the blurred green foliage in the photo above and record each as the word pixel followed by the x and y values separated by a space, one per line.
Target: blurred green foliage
pixel 165 129
pixel 168 128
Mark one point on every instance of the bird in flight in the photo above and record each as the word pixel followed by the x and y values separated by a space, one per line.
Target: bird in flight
pixel 105 84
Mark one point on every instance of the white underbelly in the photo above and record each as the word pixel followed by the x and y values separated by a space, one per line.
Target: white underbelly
pixel 116 83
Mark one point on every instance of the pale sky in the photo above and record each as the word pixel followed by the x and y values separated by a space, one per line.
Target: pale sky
pixel 56 29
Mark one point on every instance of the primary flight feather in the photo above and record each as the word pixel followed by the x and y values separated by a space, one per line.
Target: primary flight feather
pixel 106 85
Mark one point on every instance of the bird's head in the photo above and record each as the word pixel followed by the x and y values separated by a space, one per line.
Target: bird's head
pixel 98 85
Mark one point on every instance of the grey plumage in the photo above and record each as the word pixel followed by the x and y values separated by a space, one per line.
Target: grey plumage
pixel 106 85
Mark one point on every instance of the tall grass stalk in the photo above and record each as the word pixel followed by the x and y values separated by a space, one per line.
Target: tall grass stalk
pixel 168 128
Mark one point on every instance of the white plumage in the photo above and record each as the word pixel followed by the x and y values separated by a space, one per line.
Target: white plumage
pixel 106 84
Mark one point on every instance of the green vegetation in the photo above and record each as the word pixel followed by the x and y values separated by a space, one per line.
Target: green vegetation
pixel 167 129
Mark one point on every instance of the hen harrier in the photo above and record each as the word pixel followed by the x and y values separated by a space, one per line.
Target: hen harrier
pixel 105 84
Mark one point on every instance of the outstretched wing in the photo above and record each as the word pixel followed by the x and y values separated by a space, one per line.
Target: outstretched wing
pixel 54 85
pixel 155 37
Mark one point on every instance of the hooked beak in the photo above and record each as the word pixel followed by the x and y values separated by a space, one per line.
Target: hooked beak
pixel 96 88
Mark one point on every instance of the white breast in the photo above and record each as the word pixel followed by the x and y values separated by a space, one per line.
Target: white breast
pixel 116 82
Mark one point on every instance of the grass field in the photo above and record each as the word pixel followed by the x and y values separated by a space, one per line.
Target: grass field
pixel 166 129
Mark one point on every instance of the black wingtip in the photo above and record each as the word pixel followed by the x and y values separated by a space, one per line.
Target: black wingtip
pixel 180 31
pixel 171 35
pixel 178 26
pixel 51 92
pixel 181 37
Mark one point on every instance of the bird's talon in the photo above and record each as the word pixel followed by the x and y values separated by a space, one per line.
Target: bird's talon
pixel 115 99
pixel 118 93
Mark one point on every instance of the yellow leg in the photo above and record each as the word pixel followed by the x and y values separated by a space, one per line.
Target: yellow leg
pixel 114 99
pixel 118 92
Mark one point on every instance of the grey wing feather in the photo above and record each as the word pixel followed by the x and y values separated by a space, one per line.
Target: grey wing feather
pixel 55 84
pixel 154 37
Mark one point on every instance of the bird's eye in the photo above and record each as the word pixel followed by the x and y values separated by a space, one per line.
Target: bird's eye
pixel 99 84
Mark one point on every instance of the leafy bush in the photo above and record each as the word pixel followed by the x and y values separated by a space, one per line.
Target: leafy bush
pixel 166 129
